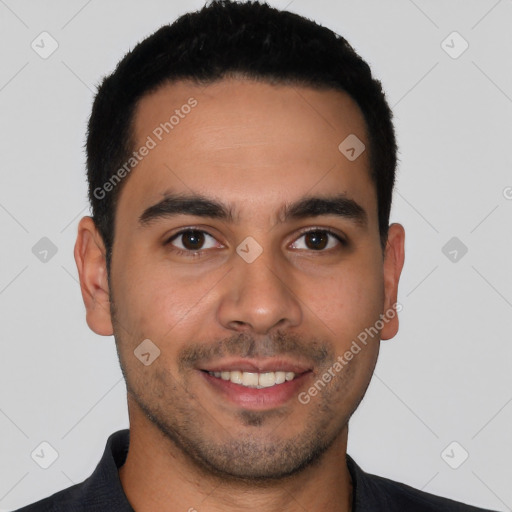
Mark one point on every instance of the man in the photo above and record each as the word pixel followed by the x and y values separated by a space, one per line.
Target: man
pixel 241 166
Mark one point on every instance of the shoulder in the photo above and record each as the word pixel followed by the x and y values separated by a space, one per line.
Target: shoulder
pixel 372 492
pixel 101 491
pixel 68 499
pixel 403 497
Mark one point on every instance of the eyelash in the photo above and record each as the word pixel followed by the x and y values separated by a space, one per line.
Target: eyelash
pixel 200 252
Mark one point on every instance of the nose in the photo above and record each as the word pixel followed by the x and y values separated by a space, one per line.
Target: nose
pixel 259 297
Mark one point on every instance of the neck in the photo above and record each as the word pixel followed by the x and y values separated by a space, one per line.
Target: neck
pixel 158 476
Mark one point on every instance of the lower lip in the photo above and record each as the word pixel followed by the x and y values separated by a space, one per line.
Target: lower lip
pixel 257 399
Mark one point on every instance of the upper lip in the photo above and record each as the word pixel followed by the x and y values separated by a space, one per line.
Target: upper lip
pixel 256 366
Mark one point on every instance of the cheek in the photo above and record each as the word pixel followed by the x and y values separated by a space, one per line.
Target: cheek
pixel 349 300
pixel 157 302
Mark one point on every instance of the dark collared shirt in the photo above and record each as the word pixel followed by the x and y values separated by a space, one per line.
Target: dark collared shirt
pixel 103 491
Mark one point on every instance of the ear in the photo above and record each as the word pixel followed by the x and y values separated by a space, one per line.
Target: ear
pixel 393 262
pixel 92 270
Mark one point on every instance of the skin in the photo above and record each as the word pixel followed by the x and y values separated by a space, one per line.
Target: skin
pixel 255 147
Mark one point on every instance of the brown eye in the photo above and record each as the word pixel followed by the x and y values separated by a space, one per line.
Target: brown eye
pixel 318 240
pixel 193 240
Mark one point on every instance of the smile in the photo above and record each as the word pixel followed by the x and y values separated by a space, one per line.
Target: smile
pixel 255 380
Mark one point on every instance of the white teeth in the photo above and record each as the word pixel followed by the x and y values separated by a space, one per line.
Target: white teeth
pixel 267 379
pixel 249 379
pixel 236 377
pixel 280 377
pixel 255 380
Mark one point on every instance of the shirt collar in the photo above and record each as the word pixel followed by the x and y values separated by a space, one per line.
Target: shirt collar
pixel 105 483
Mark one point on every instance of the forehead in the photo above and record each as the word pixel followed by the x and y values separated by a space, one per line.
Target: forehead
pixel 247 143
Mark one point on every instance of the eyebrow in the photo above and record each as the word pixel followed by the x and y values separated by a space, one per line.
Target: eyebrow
pixel 200 206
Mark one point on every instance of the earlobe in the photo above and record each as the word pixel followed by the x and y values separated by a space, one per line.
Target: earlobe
pixel 393 263
pixel 92 270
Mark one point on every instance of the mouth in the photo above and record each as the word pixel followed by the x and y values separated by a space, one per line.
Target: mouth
pixel 256 385
pixel 255 380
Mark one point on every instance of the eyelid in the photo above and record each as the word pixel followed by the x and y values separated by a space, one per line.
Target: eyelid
pixel 314 229
pixel 331 231
pixel 188 229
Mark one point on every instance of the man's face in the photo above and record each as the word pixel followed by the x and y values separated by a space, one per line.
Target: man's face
pixel 261 282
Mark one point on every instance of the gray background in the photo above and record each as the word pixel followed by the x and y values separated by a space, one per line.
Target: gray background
pixel 445 377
